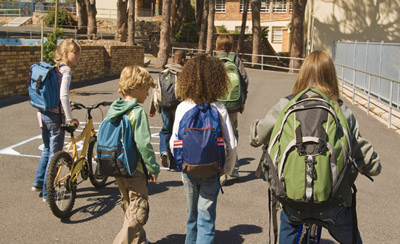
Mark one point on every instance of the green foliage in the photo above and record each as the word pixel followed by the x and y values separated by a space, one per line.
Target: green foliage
pixel 222 29
pixel 64 18
pixel 264 33
pixel 50 46
pixel 187 33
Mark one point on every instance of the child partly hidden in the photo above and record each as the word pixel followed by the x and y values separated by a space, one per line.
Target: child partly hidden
pixel 203 80
pixel 134 84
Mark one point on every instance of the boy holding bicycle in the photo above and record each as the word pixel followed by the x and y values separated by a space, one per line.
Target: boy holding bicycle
pixel 134 84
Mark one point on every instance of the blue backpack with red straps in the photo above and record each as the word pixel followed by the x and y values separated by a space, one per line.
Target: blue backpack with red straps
pixel 199 151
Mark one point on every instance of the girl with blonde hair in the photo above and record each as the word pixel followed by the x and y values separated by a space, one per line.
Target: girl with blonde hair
pixel 66 55
pixel 318 71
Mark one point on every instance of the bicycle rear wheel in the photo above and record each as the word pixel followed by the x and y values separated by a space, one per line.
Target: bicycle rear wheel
pixel 60 195
pixel 98 180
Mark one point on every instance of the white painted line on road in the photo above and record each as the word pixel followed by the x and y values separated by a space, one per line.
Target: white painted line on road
pixel 11 151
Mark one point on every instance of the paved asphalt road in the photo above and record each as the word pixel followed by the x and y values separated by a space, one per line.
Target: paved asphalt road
pixel 242 211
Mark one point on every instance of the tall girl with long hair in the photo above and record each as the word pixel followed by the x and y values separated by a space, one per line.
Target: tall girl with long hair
pixel 67 55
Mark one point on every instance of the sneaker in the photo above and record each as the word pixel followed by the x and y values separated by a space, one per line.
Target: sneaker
pixel 223 179
pixel 235 175
pixel 173 169
pixel 164 160
pixel 44 199
pixel 34 188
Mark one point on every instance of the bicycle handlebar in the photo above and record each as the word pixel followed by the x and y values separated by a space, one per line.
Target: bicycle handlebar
pixel 76 105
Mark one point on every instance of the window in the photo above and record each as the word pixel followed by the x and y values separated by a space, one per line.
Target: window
pixel 220 6
pixel 291 6
pixel 277 34
pixel 279 6
pixel 264 6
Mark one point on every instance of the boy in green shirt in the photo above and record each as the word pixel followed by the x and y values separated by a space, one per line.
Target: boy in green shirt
pixel 134 84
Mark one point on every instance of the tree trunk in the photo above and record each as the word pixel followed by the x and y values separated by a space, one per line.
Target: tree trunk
pixel 131 22
pixel 162 56
pixel 203 27
pixel 243 27
pixel 296 47
pixel 82 16
pixel 174 8
pixel 122 19
pixel 199 12
pixel 92 12
pixel 255 12
pixel 210 30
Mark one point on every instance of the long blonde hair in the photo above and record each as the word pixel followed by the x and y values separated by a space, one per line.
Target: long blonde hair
pixel 318 71
pixel 66 46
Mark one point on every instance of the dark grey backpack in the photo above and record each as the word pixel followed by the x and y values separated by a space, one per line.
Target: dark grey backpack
pixel 167 86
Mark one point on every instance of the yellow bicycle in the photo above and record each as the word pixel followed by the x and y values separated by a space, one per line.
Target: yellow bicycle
pixel 66 166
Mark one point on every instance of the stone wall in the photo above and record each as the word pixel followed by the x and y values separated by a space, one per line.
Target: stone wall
pixel 95 62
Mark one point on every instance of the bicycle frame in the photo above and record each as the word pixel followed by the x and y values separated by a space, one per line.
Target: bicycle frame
pixel 79 158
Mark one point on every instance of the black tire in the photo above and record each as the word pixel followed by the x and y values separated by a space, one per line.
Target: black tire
pixel 98 180
pixel 60 196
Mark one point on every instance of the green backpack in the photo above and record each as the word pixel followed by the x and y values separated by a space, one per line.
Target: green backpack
pixel 234 98
pixel 309 151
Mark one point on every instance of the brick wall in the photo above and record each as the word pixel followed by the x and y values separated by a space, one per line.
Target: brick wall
pixel 95 62
pixel 91 64
pixel 122 56
pixel 14 70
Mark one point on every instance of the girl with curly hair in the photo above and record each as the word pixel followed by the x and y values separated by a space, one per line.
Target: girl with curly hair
pixel 203 80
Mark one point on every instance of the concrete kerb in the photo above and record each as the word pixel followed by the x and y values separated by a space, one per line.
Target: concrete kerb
pixel 377 109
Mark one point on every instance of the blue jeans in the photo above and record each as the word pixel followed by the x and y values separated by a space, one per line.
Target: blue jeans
pixel 168 117
pixel 339 224
pixel 201 196
pixel 53 140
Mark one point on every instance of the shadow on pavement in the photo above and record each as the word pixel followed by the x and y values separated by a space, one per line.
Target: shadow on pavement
pixel 155 188
pixel 231 236
pixel 242 177
pixel 101 201
pixel 174 238
pixel 235 233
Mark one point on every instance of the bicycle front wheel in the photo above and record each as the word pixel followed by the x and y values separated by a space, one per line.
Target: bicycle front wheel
pixel 98 180
pixel 60 191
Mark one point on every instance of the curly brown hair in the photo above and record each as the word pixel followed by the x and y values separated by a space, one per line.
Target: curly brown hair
pixel 203 80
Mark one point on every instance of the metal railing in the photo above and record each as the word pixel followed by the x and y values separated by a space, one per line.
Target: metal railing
pixel 392 100
pixel 14 12
pixel 265 60
pixel 70 31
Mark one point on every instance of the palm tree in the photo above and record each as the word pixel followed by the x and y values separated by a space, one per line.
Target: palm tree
pixel 255 12
pixel 296 47
pixel 131 22
pixel 122 17
pixel 210 30
pixel 243 27
pixel 92 12
pixel 203 27
pixel 82 16
pixel 162 56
